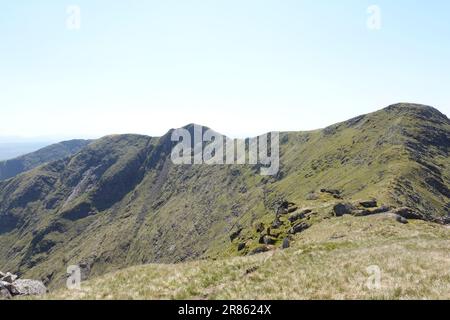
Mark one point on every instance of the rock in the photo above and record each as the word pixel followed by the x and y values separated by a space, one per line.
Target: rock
pixel 368 203
pixel 2 274
pixel 298 215
pixel 331 191
pixel 361 213
pixel 299 228
pixel 342 208
pixel 285 207
pixel 395 216
pixel 269 240
pixel 9 277
pixel 4 294
pixel 286 243
pixel 10 287
pixel 276 223
pixel 259 227
pixel 401 219
pixel 29 287
pixel 381 210
pixel 241 246
pixel 260 249
pixel 408 213
pixel 235 234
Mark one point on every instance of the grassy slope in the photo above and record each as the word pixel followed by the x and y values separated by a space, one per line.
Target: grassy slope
pixel 120 201
pixel 327 261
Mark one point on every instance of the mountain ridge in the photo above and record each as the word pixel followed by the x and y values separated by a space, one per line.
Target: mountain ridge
pixel 120 201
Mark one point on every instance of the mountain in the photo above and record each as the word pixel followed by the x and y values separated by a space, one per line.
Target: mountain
pixel 13 167
pixel 120 201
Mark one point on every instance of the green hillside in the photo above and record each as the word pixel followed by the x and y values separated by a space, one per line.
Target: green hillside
pixel 328 261
pixel 121 202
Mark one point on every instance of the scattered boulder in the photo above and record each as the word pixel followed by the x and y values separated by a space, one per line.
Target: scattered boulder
pixel 342 208
pixel 361 213
pixel 298 215
pixel 9 277
pixel 269 240
pixel 11 286
pixel 381 209
pixel 30 287
pixel 408 213
pixel 299 228
pixel 368 203
pixel 331 191
pixel 4 294
pixel 286 243
pixel 401 219
pixel 286 207
pixel 265 239
pixel 259 249
pixel 276 223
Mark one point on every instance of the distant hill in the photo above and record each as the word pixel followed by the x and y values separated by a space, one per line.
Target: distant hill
pixel 13 167
pixel 120 201
pixel 14 149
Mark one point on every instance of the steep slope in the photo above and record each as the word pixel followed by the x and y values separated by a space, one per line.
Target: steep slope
pixel 13 167
pixel 120 201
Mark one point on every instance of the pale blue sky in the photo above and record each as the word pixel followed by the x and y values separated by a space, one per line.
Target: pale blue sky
pixel 241 67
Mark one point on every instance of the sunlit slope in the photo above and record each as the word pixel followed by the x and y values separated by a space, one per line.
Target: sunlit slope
pixel 331 260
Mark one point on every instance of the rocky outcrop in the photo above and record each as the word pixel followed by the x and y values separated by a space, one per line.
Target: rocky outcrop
pixel 11 286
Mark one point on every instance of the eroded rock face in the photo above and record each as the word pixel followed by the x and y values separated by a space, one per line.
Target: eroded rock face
pixel 11 286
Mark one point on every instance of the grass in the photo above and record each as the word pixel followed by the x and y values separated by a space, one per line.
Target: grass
pixel 327 261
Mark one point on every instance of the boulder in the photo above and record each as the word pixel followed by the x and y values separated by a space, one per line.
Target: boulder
pixel 381 209
pixel 4 294
pixel 298 215
pixel 342 208
pixel 276 223
pixel 9 277
pixel 269 240
pixel 361 213
pixel 286 243
pixel 299 228
pixel 241 246
pixel 401 219
pixel 29 287
pixel 368 203
pixel 2 274
pixel 408 213
pixel 331 191
pixel 259 249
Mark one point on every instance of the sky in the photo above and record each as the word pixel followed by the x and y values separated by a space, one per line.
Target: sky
pixel 241 67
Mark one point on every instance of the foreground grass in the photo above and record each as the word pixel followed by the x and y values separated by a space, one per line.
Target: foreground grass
pixel 327 261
